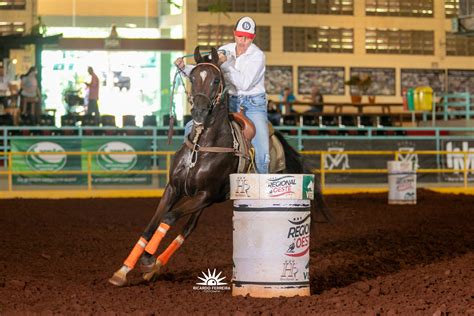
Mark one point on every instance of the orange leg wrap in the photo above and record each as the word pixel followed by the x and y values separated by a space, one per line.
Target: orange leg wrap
pixel 156 239
pixel 166 255
pixel 135 254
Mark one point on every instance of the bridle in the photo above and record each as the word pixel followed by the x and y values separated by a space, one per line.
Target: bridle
pixel 218 96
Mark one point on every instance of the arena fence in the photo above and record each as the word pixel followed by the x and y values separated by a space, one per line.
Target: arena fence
pixel 90 179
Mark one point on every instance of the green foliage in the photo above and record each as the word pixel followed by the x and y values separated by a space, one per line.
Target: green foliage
pixel 172 3
pixel 362 83
pixel 219 7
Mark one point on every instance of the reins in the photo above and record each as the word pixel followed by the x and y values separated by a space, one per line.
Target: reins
pixel 179 72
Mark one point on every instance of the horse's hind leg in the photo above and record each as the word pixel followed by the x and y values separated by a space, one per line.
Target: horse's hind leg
pixel 163 258
pixel 149 240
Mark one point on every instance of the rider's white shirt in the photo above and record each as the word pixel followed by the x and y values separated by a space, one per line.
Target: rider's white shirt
pixel 244 75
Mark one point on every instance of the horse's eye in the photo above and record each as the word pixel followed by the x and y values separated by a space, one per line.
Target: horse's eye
pixel 216 81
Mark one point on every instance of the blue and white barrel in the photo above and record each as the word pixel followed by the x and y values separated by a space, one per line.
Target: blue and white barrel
pixel 271 237
pixel 401 182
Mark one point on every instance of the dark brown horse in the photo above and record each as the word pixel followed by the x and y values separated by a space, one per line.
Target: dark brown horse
pixel 199 174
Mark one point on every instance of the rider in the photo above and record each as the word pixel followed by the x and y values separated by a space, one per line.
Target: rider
pixel 243 66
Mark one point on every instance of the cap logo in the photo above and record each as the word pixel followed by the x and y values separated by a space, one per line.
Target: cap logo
pixel 246 26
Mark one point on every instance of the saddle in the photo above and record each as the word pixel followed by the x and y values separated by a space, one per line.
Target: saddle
pixel 244 131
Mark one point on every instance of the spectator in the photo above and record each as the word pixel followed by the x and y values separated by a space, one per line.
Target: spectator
pixel 317 100
pixel 274 115
pixel 92 93
pixel 30 93
pixel 287 97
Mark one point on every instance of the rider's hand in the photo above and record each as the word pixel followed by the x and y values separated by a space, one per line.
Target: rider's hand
pixel 222 58
pixel 179 62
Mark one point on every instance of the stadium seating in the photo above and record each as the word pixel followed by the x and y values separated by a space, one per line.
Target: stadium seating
pixel 311 120
pixel 89 120
pixel 6 120
pixel 149 120
pixel 107 120
pixel 186 119
pixel 166 120
pixel 129 120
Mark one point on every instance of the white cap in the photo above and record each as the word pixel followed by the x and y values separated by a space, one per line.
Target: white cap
pixel 245 27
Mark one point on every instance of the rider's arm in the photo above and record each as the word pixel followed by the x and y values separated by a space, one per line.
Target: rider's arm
pixel 179 62
pixel 245 79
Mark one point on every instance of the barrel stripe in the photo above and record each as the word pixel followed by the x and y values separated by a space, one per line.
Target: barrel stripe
pixel 270 209
pixel 240 283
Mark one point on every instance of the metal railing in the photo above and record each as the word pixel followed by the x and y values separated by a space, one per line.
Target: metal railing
pixel 467 167
pixel 323 171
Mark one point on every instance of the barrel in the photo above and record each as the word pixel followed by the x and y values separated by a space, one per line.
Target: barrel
pixel 423 98
pixel 401 182
pixel 271 236
pixel 411 99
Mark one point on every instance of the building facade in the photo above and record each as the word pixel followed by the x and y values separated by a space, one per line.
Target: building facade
pixel 399 43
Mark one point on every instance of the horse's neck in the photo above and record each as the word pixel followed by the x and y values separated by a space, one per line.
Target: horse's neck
pixel 219 126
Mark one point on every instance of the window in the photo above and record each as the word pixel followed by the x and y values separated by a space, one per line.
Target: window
pixel 12 4
pixel 318 39
pixel 393 41
pixel 215 36
pixel 451 8
pixel 9 28
pixel 236 5
pixel 420 8
pixel 459 45
pixel 319 7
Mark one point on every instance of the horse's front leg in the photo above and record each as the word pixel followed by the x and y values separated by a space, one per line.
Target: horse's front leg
pixel 150 239
pixel 194 207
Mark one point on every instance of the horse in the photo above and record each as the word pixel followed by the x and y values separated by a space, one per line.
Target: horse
pixel 199 172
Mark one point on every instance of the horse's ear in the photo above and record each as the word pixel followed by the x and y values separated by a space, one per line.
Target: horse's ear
pixel 197 55
pixel 215 56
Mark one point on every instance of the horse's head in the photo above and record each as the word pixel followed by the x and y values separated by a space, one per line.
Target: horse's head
pixel 207 85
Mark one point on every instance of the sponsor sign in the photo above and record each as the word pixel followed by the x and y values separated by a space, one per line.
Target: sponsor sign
pixel 244 186
pixel 457 161
pixel 272 186
pixel 47 156
pixel 339 159
pixel 117 155
pixel 298 236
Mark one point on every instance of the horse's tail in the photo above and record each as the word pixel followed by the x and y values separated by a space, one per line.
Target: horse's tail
pixel 295 164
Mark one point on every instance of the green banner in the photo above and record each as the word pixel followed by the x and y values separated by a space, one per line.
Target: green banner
pixel 45 161
pixel 113 160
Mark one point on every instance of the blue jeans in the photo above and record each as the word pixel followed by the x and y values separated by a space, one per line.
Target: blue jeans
pixel 255 108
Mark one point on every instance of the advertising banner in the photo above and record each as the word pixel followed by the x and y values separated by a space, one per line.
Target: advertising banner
pixel 114 160
pixel 271 186
pixel 339 159
pixel 456 161
pixel 44 160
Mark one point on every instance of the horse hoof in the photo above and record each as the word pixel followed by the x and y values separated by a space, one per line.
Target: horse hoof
pixel 118 279
pixel 145 268
pixel 147 263
pixel 155 269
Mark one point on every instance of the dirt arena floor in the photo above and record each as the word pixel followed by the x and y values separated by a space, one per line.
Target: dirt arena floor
pixel 56 257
